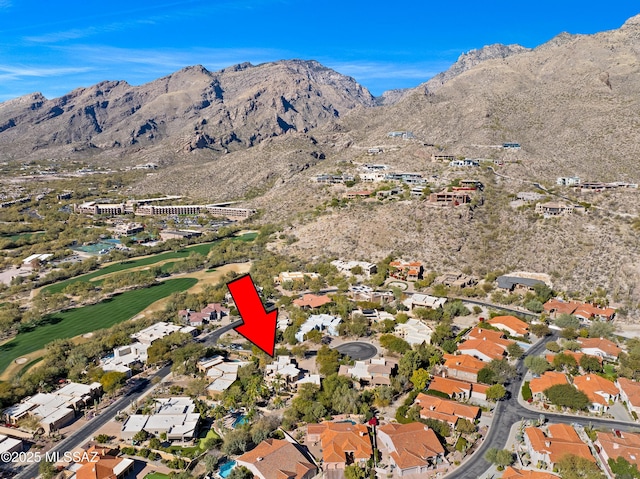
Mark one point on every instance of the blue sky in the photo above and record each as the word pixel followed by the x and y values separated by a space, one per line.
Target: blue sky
pixel 54 47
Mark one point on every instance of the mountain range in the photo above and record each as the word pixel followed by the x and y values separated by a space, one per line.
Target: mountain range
pixel 261 132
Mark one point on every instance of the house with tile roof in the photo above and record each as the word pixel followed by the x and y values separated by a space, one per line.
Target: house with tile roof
pixel 485 344
pixel 278 459
pixel 599 390
pixel 617 444
pixel 101 462
pixel 629 393
pixel 311 301
pixel 406 270
pixel 549 448
pixel 413 448
pixel 600 347
pixel 513 473
pixel 584 311
pixel 540 385
pixel 376 371
pixel 454 388
pixel 432 407
pixel 342 443
pixel 510 324
pixel 463 367
pixel 211 312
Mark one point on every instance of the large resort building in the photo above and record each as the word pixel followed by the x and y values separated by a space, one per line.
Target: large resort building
pixel 94 208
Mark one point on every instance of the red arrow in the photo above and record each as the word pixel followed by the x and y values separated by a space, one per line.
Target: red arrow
pixel 258 326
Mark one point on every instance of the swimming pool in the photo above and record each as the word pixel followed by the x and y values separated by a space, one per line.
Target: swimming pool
pixel 239 421
pixel 225 469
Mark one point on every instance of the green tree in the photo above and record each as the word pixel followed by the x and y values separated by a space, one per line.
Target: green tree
pixel 515 351
pixel 211 461
pixel 237 441
pixel 623 469
pixel 565 395
pixel 327 360
pixel 464 426
pixel 599 329
pixel 567 321
pixel 576 467
pixel 534 305
pixel 393 344
pixel 112 380
pixel 420 378
pixel 503 371
pixel 590 364
pixel 499 457
pixel 564 362
pixel 47 470
pixel 537 364
pixel 354 472
pixel 487 376
pixel 553 346
pixel 496 392
pixel 540 330
pixel 240 472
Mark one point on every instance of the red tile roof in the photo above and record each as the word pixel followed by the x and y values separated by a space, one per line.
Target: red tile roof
pixel 486 347
pixel 624 444
pixel 449 386
pixel 340 438
pixel 511 322
pixel 608 347
pixel 444 409
pixel 463 362
pixel 548 379
pixel 278 459
pixel 512 473
pixel 561 440
pixel 574 354
pixel 414 444
pixel 591 384
pixel 631 389
pixel 312 301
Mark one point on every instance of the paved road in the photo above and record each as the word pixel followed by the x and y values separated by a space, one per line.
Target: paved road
pixel 358 350
pixel 89 430
pixel 511 411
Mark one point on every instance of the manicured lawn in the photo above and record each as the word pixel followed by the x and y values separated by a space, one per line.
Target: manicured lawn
pixel 210 434
pixel 156 475
pixel 21 235
pixel 89 318
pixel 202 249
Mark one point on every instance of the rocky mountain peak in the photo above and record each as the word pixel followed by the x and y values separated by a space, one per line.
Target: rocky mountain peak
pixel 469 60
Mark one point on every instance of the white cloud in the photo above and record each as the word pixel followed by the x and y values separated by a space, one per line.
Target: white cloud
pixel 168 59
pixel 366 70
pixel 16 72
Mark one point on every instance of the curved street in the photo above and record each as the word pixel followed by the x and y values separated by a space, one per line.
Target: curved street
pixel 510 411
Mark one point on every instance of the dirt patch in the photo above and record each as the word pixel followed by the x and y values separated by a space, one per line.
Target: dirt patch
pixel 203 278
